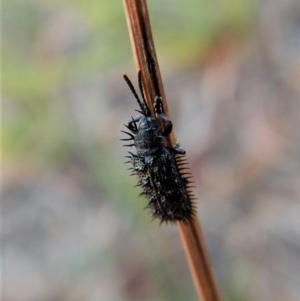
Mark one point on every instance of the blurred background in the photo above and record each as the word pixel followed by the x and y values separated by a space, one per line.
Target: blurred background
pixel 73 226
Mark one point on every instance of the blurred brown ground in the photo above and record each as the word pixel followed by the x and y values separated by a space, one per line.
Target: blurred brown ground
pixel 73 227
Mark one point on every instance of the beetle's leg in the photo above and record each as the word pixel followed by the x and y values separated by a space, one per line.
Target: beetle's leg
pixel 177 150
pixel 159 114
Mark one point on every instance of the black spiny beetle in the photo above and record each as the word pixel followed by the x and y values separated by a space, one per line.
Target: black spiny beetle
pixel 157 165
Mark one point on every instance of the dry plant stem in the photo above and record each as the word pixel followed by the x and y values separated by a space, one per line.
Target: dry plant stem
pixel 145 59
pixel 198 259
pixel 144 52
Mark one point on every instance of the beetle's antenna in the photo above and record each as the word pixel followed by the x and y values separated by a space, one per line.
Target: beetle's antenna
pixel 143 106
pixel 141 86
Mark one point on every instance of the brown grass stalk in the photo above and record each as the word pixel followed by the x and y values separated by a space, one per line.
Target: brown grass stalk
pixel 145 60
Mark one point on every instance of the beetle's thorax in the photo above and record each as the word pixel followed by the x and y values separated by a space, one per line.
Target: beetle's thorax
pixel 149 140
